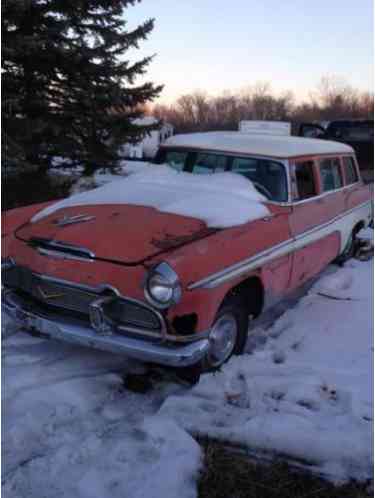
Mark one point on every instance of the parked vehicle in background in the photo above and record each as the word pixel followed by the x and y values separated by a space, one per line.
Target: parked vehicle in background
pixel 147 278
pixel 147 148
pixel 358 133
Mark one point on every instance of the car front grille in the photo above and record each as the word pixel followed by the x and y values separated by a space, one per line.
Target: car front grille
pixel 58 295
pixel 131 313
pixel 61 296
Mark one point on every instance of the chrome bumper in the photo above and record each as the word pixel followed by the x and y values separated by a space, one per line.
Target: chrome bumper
pixel 162 353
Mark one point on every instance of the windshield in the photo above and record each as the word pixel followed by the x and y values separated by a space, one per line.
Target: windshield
pixel 267 175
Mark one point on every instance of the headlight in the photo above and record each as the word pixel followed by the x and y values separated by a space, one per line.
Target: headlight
pixel 7 263
pixel 162 287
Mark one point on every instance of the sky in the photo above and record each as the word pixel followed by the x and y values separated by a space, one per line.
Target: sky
pixel 216 46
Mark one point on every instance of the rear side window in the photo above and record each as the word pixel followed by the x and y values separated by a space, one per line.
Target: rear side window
pixel 206 163
pixel 330 174
pixel 350 170
pixel 305 182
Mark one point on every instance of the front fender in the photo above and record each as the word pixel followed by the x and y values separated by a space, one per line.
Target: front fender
pixel 205 302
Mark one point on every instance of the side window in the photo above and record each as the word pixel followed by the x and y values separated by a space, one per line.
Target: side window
pixel 268 177
pixel 176 159
pixel 330 174
pixel 209 163
pixel 305 182
pixel 351 174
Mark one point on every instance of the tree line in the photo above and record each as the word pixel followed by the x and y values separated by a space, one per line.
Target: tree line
pixel 71 89
pixel 332 99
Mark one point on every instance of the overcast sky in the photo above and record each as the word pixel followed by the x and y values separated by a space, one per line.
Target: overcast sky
pixel 227 45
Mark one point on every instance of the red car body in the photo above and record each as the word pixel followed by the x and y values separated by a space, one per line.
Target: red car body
pixel 113 252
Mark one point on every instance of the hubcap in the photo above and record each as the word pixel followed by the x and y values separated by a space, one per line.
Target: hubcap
pixel 222 339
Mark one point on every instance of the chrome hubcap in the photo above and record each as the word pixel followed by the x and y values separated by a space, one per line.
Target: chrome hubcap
pixel 222 339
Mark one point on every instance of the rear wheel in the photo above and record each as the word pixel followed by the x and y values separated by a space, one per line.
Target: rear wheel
pixel 350 248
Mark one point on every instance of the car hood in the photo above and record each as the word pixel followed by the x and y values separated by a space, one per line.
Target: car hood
pixel 126 234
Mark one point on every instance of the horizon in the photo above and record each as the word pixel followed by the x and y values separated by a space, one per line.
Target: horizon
pixel 289 48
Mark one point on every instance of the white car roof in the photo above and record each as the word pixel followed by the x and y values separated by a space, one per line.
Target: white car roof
pixel 260 145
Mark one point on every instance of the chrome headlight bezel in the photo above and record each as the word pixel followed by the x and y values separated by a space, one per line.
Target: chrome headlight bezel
pixel 166 279
pixel 7 263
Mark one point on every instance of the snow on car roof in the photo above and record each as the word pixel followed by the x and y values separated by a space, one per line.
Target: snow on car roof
pixel 260 145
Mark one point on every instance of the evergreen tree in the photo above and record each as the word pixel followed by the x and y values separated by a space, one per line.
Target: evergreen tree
pixel 65 76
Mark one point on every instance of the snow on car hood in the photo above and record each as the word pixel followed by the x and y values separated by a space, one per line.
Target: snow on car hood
pixel 221 200
pixel 133 219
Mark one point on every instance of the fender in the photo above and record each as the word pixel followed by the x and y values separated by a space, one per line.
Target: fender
pixel 14 218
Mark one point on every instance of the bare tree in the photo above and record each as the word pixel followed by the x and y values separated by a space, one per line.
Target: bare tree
pixel 332 99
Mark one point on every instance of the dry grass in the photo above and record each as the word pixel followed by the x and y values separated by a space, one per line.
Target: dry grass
pixel 231 475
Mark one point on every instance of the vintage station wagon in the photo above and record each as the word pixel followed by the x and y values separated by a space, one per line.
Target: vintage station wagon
pixel 167 289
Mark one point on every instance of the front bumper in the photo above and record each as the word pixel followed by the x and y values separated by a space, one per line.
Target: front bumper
pixel 161 353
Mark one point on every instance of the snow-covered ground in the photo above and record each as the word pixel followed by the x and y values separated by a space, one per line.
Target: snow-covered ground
pixel 71 430
pixel 307 393
pixel 303 392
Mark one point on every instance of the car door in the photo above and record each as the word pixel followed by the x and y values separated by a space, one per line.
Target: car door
pixel 270 178
pixel 317 200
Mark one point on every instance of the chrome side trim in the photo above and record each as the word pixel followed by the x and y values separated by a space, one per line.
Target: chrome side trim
pixel 242 267
pixel 276 251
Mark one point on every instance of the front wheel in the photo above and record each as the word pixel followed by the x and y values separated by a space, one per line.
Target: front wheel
pixel 228 334
pixel 227 337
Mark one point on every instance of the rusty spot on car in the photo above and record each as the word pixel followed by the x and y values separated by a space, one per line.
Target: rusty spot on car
pixel 185 324
pixel 170 241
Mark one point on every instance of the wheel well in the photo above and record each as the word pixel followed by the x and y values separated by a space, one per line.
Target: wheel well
pixel 358 227
pixel 251 291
